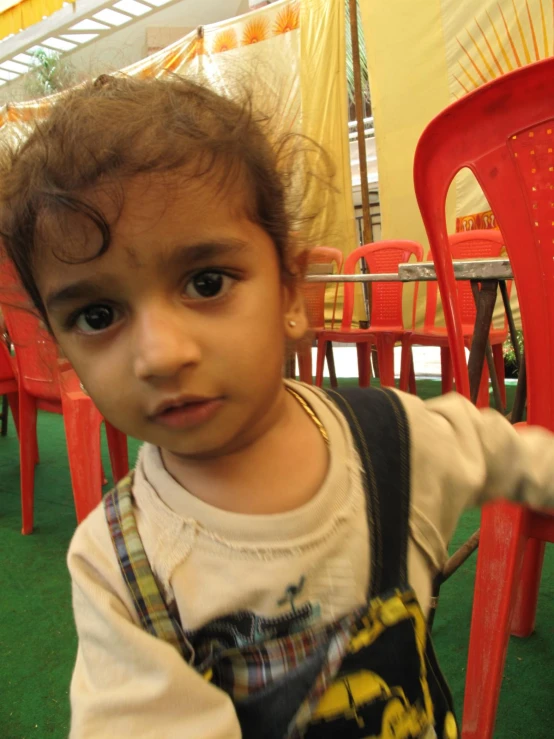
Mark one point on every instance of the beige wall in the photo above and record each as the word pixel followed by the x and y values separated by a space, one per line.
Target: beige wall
pixel 129 44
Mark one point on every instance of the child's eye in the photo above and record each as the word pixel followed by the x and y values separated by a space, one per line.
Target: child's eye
pixel 209 284
pixel 95 318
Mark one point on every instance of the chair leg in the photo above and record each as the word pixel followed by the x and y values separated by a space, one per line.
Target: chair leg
pixel 320 361
pixel 498 356
pixel 501 549
pixel 525 609
pixel 82 432
pixel 385 353
pixel 305 364
pixel 447 382
pixel 331 364
pixel 27 457
pixel 119 456
pixel 363 349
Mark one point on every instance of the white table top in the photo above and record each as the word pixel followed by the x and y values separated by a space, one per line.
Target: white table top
pixel 478 269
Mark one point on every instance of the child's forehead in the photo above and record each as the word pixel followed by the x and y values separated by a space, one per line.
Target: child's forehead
pixel 150 220
pixel 145 197
pixel 145 205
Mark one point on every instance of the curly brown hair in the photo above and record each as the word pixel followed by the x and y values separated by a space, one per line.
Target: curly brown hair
pixel 119 127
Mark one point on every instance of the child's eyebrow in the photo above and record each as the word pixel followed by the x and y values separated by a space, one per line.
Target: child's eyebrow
pixel 183 256
pixel 195 254
pixel 88 289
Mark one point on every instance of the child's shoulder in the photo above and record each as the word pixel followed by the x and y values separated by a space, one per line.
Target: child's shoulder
pixel 419 412
pixel 92 541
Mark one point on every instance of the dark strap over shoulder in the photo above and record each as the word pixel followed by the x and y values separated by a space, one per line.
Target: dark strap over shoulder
pixel 380 429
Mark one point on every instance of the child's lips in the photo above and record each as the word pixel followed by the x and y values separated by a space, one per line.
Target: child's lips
pixel 188 414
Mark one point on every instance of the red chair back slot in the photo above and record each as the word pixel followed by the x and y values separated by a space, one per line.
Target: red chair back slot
pixel 475 244
pixel 386 297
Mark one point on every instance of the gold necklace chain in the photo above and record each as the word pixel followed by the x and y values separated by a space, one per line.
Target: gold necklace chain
pixel 310 413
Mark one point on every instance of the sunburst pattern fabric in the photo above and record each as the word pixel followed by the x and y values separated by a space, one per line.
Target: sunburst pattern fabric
pixel 488 39
pixel 288 19
pixel 500 37
pixel 255 30
pixel 225 40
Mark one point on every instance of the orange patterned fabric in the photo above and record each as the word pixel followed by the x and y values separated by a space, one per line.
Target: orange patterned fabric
pixel 482 220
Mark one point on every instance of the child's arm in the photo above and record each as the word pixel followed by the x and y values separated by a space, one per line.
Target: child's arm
pixel 126 682
pixel 462 457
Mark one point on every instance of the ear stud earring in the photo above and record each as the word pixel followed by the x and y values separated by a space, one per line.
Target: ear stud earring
pixel 292 323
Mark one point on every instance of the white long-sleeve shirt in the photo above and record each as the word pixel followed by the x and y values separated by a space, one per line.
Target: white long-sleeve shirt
pixel 211 562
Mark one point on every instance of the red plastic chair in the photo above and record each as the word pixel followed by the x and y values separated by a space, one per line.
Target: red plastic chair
pixel 46 383
pixel 504 132
pixel 314 300
pixel 476 244
pixel 387 323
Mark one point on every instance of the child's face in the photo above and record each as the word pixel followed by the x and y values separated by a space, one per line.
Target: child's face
pixel 186 306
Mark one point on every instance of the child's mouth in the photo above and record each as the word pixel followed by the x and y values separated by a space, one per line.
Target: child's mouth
pixel 189 413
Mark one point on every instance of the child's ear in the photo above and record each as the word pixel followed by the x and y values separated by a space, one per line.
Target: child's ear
pixel 296 319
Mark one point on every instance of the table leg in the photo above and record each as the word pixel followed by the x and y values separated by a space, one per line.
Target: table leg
pixel 331 364
pixel 511 324
pixel 520 399
pixel 521 390
pixel 494 379
pixel 485 298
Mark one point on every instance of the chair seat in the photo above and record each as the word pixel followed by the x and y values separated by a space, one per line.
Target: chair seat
pixel 345 335
pixel 439 336
pixel 360 334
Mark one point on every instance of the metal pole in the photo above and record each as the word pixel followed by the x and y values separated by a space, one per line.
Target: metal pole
pixel 359 102
pixel 364 184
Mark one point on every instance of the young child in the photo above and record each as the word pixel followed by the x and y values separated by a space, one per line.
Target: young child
pixel 259 572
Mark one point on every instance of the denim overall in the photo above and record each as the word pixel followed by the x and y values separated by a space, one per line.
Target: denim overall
pixel 370 674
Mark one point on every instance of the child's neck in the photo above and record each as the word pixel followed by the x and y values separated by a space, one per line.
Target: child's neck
pixel 279 470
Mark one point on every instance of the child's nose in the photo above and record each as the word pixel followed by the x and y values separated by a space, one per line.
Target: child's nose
pixel 163 344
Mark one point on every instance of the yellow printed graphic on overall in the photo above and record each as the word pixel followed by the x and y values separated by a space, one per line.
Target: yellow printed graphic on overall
pixel 349 695
pixel 345 696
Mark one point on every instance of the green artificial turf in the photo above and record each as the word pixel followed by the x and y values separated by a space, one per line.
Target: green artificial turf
pixel 37 637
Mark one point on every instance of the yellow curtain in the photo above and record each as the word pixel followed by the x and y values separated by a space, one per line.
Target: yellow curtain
pixel 409 86
pixel 325 118
pixel 26 14
pixel 421 57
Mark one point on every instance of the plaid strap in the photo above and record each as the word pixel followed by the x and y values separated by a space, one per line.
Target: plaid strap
pixel 149 602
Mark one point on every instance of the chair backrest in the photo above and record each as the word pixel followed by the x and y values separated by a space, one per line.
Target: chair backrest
pixel 35 351
pixel 504 133
pixel 314 292
pixel 475 244
pixel 386 297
